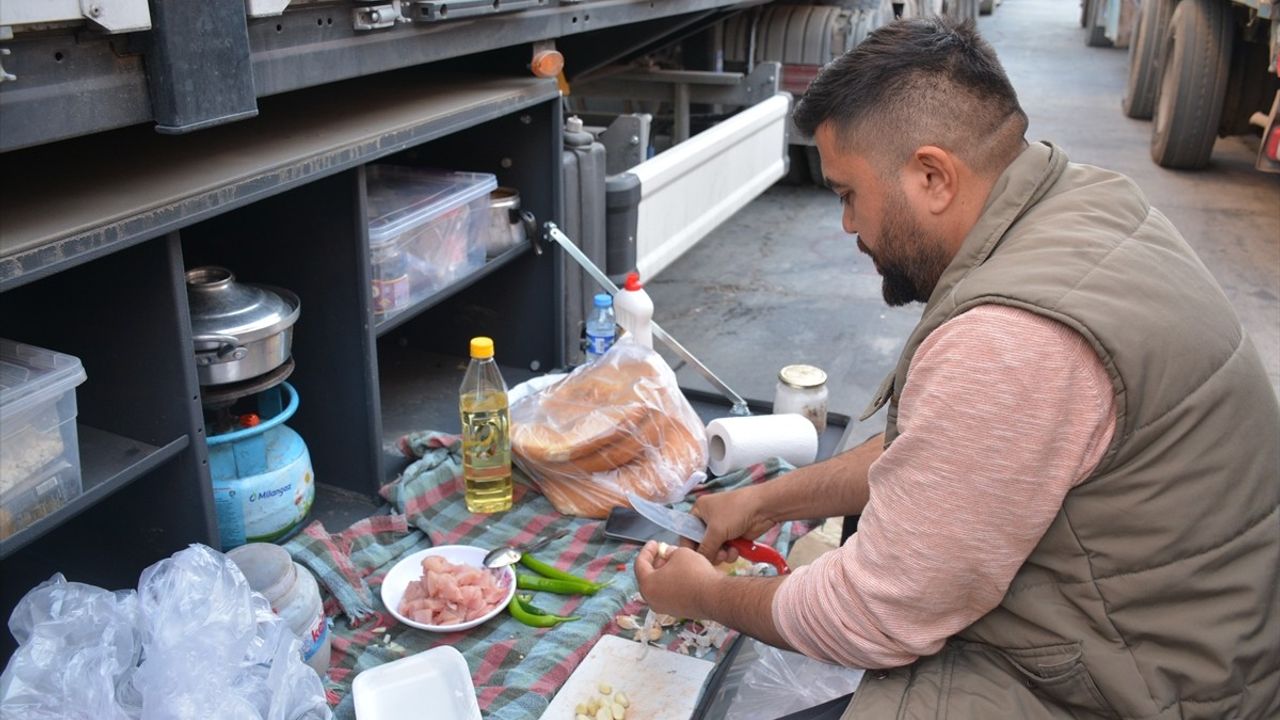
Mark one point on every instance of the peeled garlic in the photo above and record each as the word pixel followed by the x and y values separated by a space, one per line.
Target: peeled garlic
pixel 620 698
pixel 627 622
pixel 604 714
pixel 580 716
pixel 619 712
pixel 581 709
pixel 605 688
pixel 664 549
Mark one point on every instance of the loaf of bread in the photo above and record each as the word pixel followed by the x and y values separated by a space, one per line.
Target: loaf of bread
pixel 617 425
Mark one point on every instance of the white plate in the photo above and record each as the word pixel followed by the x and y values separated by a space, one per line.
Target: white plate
pixel 437 678
pixel 410 569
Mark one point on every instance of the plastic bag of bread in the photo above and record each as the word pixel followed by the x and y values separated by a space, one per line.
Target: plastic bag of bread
pixel 617 425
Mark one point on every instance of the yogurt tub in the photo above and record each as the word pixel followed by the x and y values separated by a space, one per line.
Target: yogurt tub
pixel 294 596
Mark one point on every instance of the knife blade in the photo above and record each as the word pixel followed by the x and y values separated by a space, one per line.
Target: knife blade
pixel 690 526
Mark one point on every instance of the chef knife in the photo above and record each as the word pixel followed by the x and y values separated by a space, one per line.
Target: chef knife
pixel 690 526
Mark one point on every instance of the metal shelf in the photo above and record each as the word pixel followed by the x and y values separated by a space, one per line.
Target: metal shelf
pixel 462 283
pixel 128 186
pixel 108 462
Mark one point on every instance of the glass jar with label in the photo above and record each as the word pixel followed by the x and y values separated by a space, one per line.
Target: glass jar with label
pixel 802 389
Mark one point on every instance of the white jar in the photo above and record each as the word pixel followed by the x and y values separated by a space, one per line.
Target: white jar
pixel 802 389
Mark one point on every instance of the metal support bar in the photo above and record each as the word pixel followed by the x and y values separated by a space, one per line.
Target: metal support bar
pixel 680 102
pixel 701 86
pixel 739 404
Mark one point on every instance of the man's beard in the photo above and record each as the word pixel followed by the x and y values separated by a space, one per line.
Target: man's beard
pixel 909 260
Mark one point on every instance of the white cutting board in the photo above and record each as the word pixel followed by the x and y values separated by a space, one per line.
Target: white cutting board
pixel 661 685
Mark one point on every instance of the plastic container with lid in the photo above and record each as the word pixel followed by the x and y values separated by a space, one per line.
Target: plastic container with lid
pixel 294 596
pixel 39 449
pixel 802 389
pixel 427 228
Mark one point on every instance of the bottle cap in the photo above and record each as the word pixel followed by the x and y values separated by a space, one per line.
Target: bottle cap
pixel 603 300
pixel 633 282
pixel 481 348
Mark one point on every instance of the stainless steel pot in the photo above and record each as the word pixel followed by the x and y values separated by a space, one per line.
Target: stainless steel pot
pixel 240 331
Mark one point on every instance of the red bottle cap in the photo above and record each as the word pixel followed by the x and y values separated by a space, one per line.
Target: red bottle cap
pixel 633 282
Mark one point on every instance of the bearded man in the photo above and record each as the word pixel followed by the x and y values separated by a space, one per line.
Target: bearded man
pixel 1074 509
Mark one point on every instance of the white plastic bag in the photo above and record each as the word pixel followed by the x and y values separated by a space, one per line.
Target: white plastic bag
pixel 78 648
pixel 193 643
pixel 779 682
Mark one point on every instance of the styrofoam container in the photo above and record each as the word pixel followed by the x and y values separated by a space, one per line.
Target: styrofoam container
pixel 39 449
pixel 427 228
pixel 435 683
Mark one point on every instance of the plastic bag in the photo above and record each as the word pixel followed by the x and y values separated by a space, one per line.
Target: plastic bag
pixel 193 642
pixel 779 682
pixel 77 645
pixel 614 426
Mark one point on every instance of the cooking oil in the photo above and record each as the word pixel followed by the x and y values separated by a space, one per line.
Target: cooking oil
pixel 486 436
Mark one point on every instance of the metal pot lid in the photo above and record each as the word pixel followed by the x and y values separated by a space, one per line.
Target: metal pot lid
pixel 223 307
pixel 505 197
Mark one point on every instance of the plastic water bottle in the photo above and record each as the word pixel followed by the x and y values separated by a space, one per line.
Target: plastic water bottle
pixel 486 432
pixel 601 327
pixel 635 310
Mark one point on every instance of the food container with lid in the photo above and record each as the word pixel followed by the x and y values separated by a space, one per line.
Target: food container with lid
pixel 39 447
pixel 427 228
pixel 240 331
pixel 802 389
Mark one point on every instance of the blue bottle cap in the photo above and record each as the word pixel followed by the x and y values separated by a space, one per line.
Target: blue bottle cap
pixel 604 300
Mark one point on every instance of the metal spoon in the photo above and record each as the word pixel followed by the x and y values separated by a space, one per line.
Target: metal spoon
pixel 511 554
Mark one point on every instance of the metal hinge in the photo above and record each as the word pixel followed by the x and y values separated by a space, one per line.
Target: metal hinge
pixel 374 17
pixel 437 10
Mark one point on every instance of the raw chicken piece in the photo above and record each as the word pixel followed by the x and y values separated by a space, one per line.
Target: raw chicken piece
pixel 449 594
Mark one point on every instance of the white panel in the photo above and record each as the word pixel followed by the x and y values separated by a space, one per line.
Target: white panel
pixel 687 191
pixel 113 16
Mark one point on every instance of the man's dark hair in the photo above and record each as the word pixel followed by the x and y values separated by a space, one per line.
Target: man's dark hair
pixel 924 81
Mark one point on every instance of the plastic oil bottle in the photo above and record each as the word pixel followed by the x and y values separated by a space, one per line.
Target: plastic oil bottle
pixel 486 436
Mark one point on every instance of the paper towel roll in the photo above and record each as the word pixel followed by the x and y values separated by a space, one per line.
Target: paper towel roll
pixel 738 442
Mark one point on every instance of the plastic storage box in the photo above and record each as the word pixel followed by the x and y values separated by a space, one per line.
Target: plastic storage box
pixel 427 228
pixel 39 452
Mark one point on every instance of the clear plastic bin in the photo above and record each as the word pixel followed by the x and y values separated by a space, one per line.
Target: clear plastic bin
pixel 427 228
pixel 39 452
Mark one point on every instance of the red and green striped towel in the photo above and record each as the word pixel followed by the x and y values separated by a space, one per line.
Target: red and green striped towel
pixel 516 669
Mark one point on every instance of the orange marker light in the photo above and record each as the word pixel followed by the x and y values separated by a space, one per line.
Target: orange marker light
pixel 547 63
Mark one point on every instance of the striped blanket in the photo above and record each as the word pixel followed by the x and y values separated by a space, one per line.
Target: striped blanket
pixel 516 669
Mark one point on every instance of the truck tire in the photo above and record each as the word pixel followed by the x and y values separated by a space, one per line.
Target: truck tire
pixel 1095 34
pixel 1144 52
pixel 1193 83
pixel 986 7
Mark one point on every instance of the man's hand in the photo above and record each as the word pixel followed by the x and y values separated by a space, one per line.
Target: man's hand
pixel 675 582
pixel 730 515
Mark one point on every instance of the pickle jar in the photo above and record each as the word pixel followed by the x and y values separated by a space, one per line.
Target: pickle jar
pixel 802 389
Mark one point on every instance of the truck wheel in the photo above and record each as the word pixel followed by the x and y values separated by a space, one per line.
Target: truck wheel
pixel 986 7
pixel 1144 49
pixel 1095 31
pixel 1193 83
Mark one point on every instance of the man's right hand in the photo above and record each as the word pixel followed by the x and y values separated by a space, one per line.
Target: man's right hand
pixel 729 515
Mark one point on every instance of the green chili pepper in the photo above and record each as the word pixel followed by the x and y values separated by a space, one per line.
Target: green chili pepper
pixel 532 616
pixel 549 571
pixel 576 586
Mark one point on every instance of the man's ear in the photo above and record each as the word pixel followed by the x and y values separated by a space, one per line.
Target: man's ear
pixel 932 177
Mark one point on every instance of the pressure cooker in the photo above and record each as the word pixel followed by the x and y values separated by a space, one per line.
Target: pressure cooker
pixel 239 330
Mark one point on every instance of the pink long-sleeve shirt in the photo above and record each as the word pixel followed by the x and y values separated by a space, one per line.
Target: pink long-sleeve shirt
pixel 1004 413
